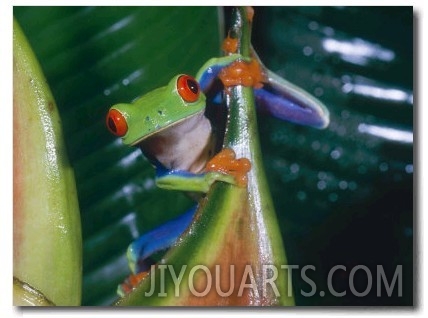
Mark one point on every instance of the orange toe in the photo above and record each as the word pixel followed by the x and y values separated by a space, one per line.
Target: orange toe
pixel 132 282
pixel 243 73
pixel 230 45
pixel 225 162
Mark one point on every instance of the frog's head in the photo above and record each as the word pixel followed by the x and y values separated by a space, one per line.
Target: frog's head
pixel 157 110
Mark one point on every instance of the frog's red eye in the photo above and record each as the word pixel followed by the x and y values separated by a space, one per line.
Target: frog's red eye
pixel 188 88
pixel 116 123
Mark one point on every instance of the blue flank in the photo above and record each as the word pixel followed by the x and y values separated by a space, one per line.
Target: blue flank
pixel 209 76
pixel 160 238
pixel 161 172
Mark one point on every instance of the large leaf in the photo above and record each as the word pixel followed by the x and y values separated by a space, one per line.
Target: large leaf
pixel 93 58
pixel 47 243
pixel 343 195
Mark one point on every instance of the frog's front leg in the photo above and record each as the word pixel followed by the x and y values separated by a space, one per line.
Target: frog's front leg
pixel 222 167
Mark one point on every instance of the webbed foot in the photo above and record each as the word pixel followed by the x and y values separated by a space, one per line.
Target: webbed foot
pixel 130 283
pixel 225 163
pixel 243 73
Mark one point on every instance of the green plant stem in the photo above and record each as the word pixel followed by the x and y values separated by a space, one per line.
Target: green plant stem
pixel 234 229
pixel 242 135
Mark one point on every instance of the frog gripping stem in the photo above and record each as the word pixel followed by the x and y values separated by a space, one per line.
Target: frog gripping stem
pixel 225 162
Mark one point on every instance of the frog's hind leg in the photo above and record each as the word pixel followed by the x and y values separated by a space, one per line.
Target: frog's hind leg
pixel 284 100
pixel 157 240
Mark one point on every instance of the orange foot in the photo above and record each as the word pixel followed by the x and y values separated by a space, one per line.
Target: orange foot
pixel 243 73
pixel 131 282
pixel 225 162
pixel 230 45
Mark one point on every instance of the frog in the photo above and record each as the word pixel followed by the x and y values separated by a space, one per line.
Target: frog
pixel 179 130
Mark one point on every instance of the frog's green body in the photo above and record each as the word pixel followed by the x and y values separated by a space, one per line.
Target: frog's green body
pixel 170 126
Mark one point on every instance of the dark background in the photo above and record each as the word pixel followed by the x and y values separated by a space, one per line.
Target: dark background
pixel 343 196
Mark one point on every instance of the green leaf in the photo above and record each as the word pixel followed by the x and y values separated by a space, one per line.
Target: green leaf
pixel 47 242
pixel 106 55
pixel 25 295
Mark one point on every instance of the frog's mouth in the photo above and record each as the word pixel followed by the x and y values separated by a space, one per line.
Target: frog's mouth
pixel 178 123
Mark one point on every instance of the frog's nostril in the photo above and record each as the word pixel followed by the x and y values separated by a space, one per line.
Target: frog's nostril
pixel 116 123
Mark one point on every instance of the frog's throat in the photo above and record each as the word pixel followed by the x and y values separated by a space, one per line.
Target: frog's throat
pixel 186 146
pixel 172 124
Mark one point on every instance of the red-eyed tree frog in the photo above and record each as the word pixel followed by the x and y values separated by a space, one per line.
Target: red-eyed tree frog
pixel 179 130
